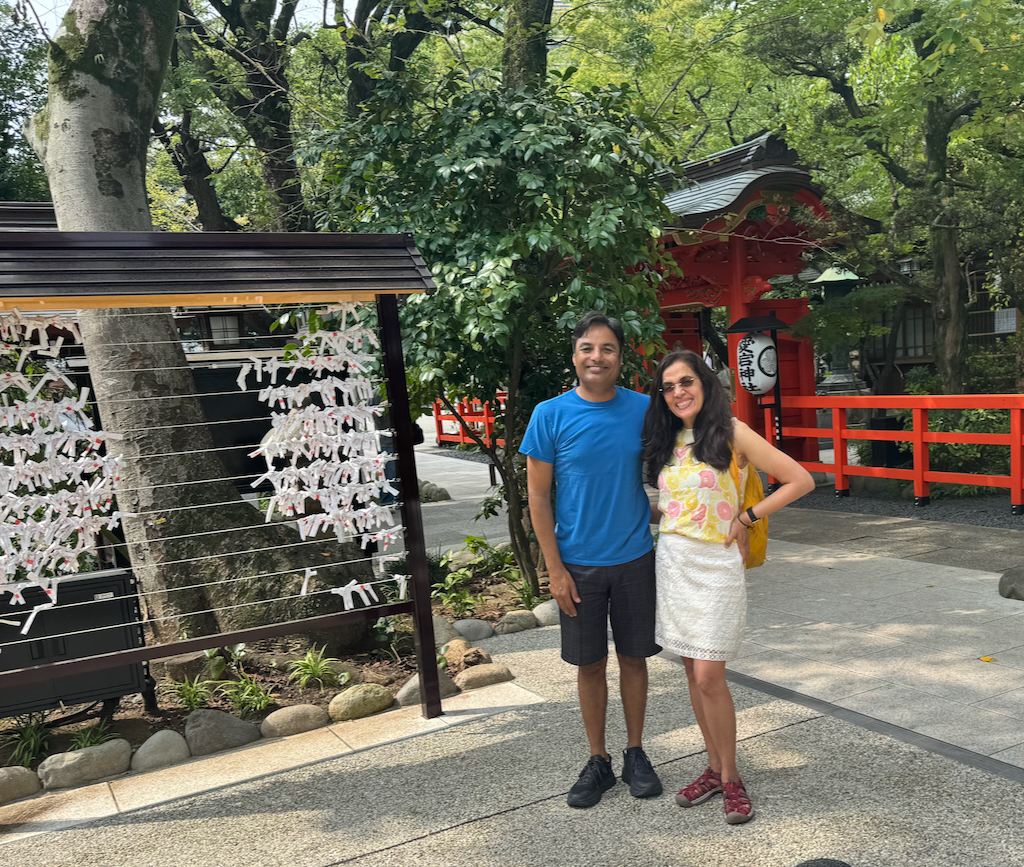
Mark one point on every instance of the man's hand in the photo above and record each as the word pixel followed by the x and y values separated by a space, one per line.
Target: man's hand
pixel 563 589
pixel 740 534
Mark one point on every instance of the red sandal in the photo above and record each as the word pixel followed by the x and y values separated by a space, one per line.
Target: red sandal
pixel 738 808
pixel 707 784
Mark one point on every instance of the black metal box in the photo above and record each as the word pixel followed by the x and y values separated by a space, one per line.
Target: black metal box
pixel 96 612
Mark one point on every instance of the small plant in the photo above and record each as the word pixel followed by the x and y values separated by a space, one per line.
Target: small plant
pixel 219 658
pixel 92 736
pixel 246 695
pixel 315 667
pixel 28 740
pixel 193 693
pixel 442 658
pixel 520 585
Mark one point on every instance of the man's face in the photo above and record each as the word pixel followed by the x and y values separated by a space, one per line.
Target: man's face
pixel 597 358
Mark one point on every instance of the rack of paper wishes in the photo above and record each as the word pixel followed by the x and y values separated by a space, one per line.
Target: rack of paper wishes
pixel 109 468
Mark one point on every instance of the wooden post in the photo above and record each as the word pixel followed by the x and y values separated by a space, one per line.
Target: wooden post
pixel 412 520
pixel 1017 461
pixel 921 487
pixel 839 451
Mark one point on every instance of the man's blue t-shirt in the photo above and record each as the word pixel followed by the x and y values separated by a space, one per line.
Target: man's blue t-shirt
pixel 602 514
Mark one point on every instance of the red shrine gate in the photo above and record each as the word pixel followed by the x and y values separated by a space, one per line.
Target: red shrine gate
pixel 744 220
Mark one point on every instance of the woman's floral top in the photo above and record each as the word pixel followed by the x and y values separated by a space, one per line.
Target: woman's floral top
pixel 695 499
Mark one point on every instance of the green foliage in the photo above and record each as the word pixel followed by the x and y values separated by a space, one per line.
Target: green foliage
pixel 193 693
pixel 219 659
pixel 531 207
pixel 850 319
pixel 28 740
pixel 22 92
pixel 453 593
pixel 996 369
pixel 246 694
pixel 314 667
pixel 92 736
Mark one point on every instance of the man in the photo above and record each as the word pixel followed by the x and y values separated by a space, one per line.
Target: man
pixel 599 550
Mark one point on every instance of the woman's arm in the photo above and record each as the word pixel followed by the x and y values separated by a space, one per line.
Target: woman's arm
pixel 794 480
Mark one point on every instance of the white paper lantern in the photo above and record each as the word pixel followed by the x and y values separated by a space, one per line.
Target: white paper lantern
pixel 757 363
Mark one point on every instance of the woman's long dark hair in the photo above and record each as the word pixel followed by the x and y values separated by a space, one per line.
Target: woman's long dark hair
pixel 712 429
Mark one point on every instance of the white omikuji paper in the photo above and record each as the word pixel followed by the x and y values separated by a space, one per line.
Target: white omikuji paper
pixel 329 454
pixel 57 490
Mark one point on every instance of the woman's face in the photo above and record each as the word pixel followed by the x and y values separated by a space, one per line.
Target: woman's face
pixel 682 392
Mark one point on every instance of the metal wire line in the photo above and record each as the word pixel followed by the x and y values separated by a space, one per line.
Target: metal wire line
pixel 168 590
pixel 197 613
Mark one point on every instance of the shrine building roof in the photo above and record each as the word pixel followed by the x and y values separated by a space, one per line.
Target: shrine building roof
pixel 718 184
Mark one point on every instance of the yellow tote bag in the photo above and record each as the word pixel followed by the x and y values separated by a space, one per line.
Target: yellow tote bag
pixel 753 493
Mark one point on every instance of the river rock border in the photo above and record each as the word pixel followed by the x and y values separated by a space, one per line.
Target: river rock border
pixel 209 731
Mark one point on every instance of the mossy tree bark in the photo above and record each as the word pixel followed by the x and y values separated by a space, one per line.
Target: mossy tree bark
pixel 524 59
pixel 185 526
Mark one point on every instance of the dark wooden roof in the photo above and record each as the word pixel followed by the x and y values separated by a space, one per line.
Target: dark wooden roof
pixel 717 184
pixel 62 270
pixel 27 216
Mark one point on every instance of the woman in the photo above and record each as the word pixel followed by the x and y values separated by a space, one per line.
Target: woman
pixel 689 439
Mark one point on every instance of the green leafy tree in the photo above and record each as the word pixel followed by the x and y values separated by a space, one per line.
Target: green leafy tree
pixel 891 101
pixel 531 207
pixel 22 93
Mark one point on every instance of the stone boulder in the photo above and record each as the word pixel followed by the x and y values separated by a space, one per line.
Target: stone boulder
pixel 431 493
pixel 476 656
pixel 454 651
pixel 164 748
pixel 190 665
pixel 17 783
pixel 515 621
pixel 482 675
pixel 212 731
pixel 294 720
pixel 474 630
pixel 1011 584
pixel 460 560
pixel 64 770
pixel 547 613
pixel 409 694
pixel 443 631
pixel 359 701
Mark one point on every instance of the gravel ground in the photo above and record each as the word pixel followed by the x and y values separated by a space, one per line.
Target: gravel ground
pixel 986 511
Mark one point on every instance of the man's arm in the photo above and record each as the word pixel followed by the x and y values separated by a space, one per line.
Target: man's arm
pixel 539 478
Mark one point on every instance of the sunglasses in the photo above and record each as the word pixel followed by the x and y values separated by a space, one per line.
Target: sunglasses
pixel 670 387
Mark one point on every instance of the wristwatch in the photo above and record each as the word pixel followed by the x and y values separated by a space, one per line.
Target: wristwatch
pixel 753 518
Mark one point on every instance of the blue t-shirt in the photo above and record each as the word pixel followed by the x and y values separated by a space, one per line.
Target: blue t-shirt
pixel 602 514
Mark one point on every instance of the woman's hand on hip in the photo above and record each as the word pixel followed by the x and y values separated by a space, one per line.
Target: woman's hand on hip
pixel 740 534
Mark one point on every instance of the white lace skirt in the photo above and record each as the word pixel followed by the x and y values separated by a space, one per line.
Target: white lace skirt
pixel 702 598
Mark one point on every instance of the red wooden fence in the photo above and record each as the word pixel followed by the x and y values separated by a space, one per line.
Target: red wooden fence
pixel 476 413
pixel 920 473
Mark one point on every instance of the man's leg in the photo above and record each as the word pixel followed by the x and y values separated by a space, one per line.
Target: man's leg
pixel 592 683
pixel 633 687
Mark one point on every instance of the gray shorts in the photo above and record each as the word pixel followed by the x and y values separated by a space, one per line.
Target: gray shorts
pixel 626 593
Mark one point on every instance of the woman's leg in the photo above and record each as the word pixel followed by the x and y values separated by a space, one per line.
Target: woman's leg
pixel 697 703
pixel 715 712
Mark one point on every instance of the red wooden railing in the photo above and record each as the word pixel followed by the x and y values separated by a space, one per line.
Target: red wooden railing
pixel 920 436
pixel 476 413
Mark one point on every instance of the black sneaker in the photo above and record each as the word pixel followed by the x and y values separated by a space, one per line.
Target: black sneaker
pixel 596 778
pixel 637 771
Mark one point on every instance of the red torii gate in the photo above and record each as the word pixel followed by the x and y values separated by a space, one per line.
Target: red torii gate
pixel 744 219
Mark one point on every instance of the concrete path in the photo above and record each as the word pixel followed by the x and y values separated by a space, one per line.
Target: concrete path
pixel 871 731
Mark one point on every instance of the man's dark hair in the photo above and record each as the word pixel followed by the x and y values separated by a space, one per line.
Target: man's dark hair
pixel 594 318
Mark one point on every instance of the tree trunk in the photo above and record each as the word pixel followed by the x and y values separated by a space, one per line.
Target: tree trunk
pixel 189 159
pixel 949 311
pixel 524 59
pixel 92 138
